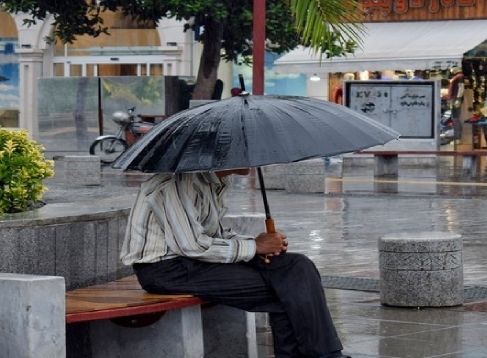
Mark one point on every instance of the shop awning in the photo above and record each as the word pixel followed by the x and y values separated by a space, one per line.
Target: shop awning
pixel 396 46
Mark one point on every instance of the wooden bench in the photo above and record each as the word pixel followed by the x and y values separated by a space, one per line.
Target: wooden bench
pixel 120 298
pixel 126 304
pixel 167 325
pixel 386 162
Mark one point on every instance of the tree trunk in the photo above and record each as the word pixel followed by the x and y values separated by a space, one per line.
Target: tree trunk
pixel 210 60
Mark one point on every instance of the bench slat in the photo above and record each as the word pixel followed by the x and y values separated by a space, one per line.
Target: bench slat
pixel 119 299
pixel 116 312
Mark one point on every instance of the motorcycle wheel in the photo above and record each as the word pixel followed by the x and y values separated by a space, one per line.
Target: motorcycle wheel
pixel 108 149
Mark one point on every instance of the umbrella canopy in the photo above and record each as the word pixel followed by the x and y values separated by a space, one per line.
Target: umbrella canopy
pixel 252 131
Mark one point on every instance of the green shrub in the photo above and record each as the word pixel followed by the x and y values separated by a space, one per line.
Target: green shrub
pixel 22 169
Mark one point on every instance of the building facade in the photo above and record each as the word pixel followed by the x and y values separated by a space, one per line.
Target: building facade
pixel 130 50
pixel 410 39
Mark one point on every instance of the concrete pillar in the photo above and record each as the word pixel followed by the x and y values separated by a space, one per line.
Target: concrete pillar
pixel 32 312
pixel 30 62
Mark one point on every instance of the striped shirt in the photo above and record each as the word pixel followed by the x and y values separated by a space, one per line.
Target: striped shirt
pixel 180 215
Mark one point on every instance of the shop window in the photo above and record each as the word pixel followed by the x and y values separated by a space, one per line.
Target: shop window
pixel 75 70
pixel 9 72
pixel 59 69
pixel 91 70
pixel 155 70
pixel 275 83
pixel 127 37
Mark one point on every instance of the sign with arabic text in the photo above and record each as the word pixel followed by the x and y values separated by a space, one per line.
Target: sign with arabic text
pixel 407 106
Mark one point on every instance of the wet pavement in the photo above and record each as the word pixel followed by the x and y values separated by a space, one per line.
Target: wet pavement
pixel 339 230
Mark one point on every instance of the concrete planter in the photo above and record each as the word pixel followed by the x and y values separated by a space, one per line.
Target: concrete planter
pixel 61 240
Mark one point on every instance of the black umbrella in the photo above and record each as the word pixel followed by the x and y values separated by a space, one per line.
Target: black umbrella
pixel 252 131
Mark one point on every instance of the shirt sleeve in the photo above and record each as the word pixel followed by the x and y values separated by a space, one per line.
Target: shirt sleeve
pixel 229 234
pixel 176 212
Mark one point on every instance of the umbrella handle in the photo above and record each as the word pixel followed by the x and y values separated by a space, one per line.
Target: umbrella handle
pixel 270 228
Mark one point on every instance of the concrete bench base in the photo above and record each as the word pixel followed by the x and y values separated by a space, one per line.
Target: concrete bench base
pixel 422 269
pixel 32 316
pixel 78 169
pixel 229 332
pixel 191 332
pixel 178 333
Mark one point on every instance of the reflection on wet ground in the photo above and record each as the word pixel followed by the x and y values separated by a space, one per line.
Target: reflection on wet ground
pixel 447 177
pixel 339 230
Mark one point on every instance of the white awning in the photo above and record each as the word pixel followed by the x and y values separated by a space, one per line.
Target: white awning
pixel 418 45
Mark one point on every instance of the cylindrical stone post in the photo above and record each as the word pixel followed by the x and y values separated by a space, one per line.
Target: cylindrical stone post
pixel 421 269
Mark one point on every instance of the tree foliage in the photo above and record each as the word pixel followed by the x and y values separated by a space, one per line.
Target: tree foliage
pixel 331 27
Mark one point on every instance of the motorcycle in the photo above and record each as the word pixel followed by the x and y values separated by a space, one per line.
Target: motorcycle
pixel 447 132
pixel 109 147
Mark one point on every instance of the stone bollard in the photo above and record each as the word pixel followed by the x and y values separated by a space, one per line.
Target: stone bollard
pixel 78 169
pixel 421 269
pixel 307 176
pixel 32 311
pixel 274 177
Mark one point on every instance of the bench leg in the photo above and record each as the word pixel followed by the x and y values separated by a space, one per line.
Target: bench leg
pixel 469 164
pixel 229 332
pixel 32 310
pixel 178 334
pixel 385 165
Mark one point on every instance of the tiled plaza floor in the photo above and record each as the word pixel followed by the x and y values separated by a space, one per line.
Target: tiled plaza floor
pixel 339 230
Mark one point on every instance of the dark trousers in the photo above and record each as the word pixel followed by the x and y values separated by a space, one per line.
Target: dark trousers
pixel 289 288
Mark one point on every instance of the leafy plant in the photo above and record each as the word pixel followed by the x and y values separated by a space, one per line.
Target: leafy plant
pixel 22 170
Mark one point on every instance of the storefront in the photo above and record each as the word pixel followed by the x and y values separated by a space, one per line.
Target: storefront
pixel 430 38
pixel 430 45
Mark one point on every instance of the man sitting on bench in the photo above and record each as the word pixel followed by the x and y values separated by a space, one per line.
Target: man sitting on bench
pixel 176 244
